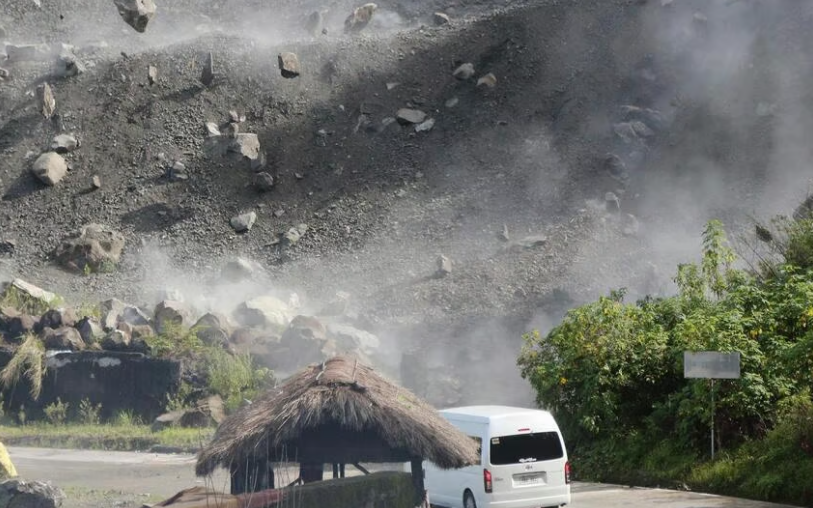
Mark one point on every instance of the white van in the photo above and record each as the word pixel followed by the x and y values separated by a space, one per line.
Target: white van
pixel 523 461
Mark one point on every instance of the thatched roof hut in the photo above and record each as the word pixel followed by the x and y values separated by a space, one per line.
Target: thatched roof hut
pixel 339 411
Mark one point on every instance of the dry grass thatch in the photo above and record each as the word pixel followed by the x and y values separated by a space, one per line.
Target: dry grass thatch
pixel 352 402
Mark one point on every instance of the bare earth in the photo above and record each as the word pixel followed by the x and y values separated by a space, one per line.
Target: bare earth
pixel 123 479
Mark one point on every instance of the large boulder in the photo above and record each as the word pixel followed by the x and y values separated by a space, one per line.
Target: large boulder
pixel 30 494
pixel 95 247
pixel 27 296
pixel 171 313
pixel 263 312
pixel 63 339
pixel 213 329
pixel 90 330
pixel 57 318
pixel 136 13
pixel 303 342
pixel 50 168
pixel 352 339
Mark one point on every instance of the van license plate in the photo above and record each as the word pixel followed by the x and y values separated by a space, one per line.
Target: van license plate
pixel 529 479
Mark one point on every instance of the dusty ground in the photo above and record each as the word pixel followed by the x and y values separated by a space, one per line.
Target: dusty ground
pixel 124 480
pixel 381 203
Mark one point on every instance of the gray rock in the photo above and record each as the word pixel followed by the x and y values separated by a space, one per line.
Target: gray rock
pixel 57 318
pixel 244 222
pixel 359 18
pixel 625 131
pixel 70 65
pixel 50 168
pixel 441 19
pixel 30 291
pixel 170 314
pixel 264 182
pixel 47 100
pixel 503 235
pixel 464 71
pixel 407 116
pixel 90 330
pixel 313 23
pixel 533 241
pixel 136 13
pixel 134 316
pixel 207 75
pixel 27 52
pixel 212 129
pixel 4 74
pixel 263 311
pixel 353 339
pixel 444 266
pixel 246 145
pixel 629 225
pixel 94 247
pixel 64 143
pixel 152 74
pixel 64 339
pixel 96 182
pixel 177 172
pixel 116 340
pixel 288 65
pixel 258 163
pixel 612 202
pixel 19 493
pixel 425 126
pixel 240 269
pixel 616 167
pixel 213 329
pixel 641 129
pixel 489 80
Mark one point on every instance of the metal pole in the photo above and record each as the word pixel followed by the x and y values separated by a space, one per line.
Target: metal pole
pixel 712 419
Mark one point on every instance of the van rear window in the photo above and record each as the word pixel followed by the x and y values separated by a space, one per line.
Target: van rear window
pixel 524 448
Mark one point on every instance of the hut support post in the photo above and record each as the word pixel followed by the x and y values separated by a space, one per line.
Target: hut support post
pixel 416 466
pixel 341 469
pixel 335 470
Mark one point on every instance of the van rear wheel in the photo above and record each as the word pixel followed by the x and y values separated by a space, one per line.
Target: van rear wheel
pixel 468 500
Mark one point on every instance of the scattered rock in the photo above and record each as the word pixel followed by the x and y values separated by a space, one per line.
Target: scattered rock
pixel 353 339
pixel 50 168
pixel 464 71
pixel 4 74
pixel 407 116
pixel 65 338
pixel 136 13
pixel 116 340
pixel 212 129
pixel 425 126
pixel 533 241
pixel 441 19
pixel 503 235
pixel 213 329
pixel 95 247
pixel 625 131
pixel 18 493
pixel 27 52
pixel 177 172
pixel 246 144
pixel 96 182
pixel 207 75
pixel 169 314
pixel 360 17
pixel 489 80
pixel 152 74
pixel 20 325
pixel 612 202
pixel 26 291
pixel 263 311
pixel 629 225
pixel 47 100
pixel 444 266
pixel 616 167
pixel 70 65
pixel 7 246
pixel 313 23
pixel 240 269
pixel 641 129
pixel 452 102
pixel 90 330
pixel 64 143
pixel 57 318
pixel 244 222
pixel 263 181
pixel 288 65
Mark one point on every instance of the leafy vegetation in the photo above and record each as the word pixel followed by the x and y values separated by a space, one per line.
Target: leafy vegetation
pixel 27 363
pixel 234 377
pixel 57 413
pixel 612 372
pixel 13 297
pixel 130 437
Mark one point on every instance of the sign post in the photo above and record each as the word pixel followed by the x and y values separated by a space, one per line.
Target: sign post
pixel 711 365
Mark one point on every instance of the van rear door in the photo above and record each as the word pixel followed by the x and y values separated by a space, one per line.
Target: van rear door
pixel 527 466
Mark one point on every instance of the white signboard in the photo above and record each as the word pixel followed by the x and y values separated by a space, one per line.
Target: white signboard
pixel 711 365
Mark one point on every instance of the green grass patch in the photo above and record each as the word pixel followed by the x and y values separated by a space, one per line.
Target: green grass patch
pixel 105 437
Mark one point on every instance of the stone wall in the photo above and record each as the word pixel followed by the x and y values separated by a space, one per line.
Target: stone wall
pixel 117 381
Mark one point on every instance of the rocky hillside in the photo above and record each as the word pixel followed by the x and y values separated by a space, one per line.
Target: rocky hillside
pixel 456 179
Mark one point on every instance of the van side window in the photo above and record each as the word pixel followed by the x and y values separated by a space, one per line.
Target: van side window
pixel 479 442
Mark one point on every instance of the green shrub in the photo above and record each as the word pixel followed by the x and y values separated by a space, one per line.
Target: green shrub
pixel 57 413
pixel 89 413
pixel 233 377
pixel 126 418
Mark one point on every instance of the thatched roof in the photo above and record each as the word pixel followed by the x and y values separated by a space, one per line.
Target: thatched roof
pixel 339 411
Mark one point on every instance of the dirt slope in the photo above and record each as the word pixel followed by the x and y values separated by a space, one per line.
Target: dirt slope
pixel 381 203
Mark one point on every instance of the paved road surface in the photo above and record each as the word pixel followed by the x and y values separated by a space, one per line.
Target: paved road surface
pixel 163 475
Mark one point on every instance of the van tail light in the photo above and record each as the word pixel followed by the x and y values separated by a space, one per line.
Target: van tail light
pixel 567 472
pixel 487 481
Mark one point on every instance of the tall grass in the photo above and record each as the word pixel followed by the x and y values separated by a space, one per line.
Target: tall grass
pixel 28 363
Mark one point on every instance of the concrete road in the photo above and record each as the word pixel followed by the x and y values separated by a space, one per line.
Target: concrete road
pixel 136 474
